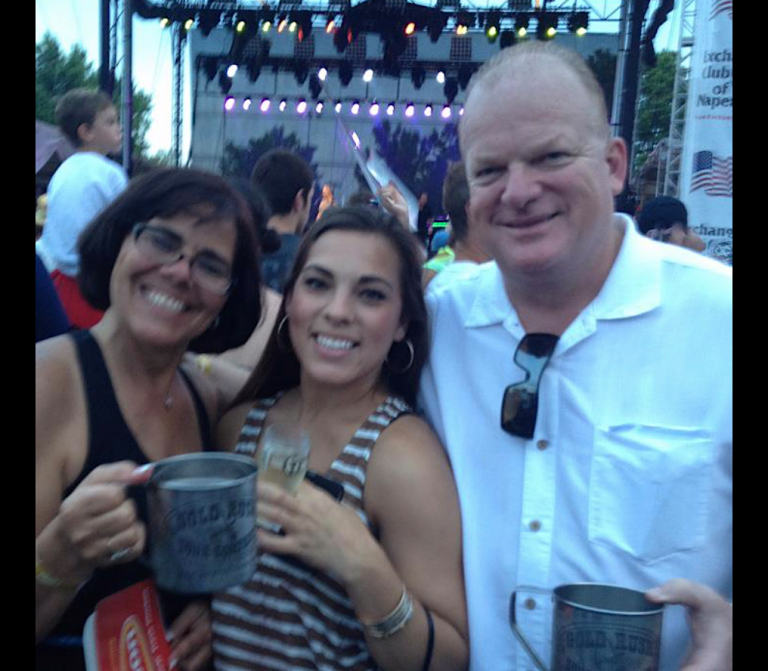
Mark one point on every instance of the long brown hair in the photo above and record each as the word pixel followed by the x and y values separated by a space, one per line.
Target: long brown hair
pixel 279 369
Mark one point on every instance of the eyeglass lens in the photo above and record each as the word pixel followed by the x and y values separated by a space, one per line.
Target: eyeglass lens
pixel 209 271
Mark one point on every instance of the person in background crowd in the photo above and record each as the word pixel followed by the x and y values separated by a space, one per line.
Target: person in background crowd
pixel 587 445
pixel 50 318
pixel 373 581
pixel 173 262
pixel 288 183
pixel 666 218
pixel 463 248
pixel 425 219
pixel 80 188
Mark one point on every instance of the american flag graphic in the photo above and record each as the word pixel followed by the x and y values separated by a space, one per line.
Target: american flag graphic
pixel 713 174
pixel 720 6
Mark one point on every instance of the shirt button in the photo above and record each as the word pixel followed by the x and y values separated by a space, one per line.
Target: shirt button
pixel 542 444
pixel 535 525
pixel 530 604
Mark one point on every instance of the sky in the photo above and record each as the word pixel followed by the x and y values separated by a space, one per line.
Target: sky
pixel 78 22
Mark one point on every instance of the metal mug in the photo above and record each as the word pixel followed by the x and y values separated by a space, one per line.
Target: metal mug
pixel 202 522
pixel 597 626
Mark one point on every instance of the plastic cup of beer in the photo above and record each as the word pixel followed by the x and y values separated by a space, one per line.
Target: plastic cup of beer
pixel 283 456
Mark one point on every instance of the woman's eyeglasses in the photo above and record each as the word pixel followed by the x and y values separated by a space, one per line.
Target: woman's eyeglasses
pixel 521 399
pixel 164 246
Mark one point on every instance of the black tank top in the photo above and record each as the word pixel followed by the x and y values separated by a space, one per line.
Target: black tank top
pixel 110 440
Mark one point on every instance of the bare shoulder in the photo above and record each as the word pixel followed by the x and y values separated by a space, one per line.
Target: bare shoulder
pixel 230 426
pixel 61 431
pixel 57 376
pixel 409 463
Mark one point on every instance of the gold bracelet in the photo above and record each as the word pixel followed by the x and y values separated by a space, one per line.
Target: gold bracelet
pixel 395 621
pixel 203 362
pixel 42 577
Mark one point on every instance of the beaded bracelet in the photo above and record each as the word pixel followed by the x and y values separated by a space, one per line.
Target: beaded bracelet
pixel 395 621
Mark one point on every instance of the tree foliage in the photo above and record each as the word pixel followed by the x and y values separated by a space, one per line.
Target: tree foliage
pixel 654 105
pixel 420 161
pixel 238 161
pixel 603 64
pixel 57 72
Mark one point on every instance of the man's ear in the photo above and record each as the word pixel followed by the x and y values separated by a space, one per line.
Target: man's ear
pixel 299 201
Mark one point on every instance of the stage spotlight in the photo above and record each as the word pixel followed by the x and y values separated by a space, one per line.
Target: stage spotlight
pixel 229 103
pixel 507 39
pixel 464 21
pixel 345 73
pixel 330 25
pixel 240 27
pixel 301 71
pixel 322 73
pixel 410 28
pixel 492 23
pixel 417 75
pixel 225 83
pixel 208 20
pixel 282 24
pixel 390 109
pixel 165 22
pixel 368 75
pixel 578 22
pixel 441 77
pixel 450 90
pixel 247 104
pixel 292 26
pixel 436 25
pixel 189 23
pixel 547 26
pixel 265 105
pixel 319 108
pixel 232 70
pixel 428 110
pixel 410 110
pixel 301 107
pixel 461 111
pixel 265 27
pixel 465 74
pixel 315 87
pixel 283 104
pixel 521 25
pixel 446 112
pixel 337 107
pixel 355 107
pixel 211 67
pixel 374 109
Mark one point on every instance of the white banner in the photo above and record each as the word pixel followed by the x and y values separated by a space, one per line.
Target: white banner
pixel 706 183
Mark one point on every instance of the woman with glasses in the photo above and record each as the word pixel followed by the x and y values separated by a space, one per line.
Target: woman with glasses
pixel 173 262
pixel 368 577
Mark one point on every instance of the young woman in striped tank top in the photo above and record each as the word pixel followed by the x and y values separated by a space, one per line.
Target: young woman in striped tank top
pixel 374 581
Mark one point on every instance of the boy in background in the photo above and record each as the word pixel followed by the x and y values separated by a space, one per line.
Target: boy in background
pixel 80 188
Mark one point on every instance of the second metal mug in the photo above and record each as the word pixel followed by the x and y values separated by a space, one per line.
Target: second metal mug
pixel 598 627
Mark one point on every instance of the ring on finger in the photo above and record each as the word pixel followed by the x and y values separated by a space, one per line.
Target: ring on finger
pixel 117 555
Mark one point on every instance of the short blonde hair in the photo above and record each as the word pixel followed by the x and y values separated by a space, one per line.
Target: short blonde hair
pixel 523 56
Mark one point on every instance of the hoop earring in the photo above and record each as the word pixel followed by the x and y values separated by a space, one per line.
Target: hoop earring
pixel 280 345
pixel 412 354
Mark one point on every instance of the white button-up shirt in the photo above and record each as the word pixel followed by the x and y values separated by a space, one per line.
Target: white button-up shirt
pixel 628 477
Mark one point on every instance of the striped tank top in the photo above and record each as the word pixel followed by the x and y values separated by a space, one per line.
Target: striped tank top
pixel 291 616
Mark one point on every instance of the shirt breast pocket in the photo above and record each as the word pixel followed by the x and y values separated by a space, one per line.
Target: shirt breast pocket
pixel 649 489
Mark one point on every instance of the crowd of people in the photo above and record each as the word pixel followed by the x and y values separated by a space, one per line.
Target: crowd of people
pixel 507 416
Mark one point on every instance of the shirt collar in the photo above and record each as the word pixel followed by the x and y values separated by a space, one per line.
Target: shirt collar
pixel 631 288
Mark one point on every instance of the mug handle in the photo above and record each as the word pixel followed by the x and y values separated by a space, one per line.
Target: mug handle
pixel 516 630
